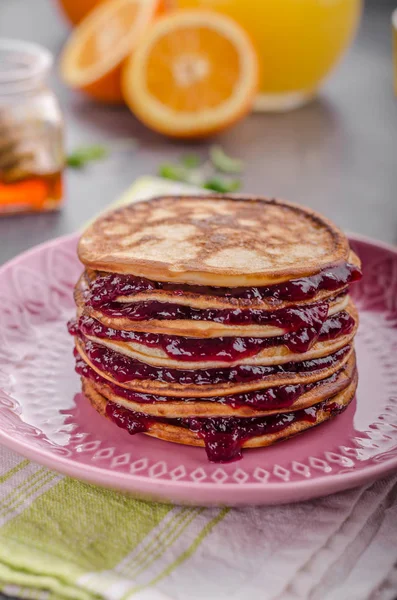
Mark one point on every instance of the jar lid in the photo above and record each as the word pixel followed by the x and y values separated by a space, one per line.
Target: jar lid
pixel 23 66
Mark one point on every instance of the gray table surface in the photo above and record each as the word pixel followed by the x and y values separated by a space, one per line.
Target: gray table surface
pixel 337 155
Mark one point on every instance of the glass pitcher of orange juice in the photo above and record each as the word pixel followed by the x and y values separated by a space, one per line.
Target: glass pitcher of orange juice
pixel 298 42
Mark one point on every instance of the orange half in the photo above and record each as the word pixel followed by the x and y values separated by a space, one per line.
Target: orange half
pixel 194 73
pixel 98 46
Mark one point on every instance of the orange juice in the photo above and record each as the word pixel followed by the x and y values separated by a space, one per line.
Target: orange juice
pixel 298 42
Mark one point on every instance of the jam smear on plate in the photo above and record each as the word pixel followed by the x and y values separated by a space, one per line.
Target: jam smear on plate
pixel 223 436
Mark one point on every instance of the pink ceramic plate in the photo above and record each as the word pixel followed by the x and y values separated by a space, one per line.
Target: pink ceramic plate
pixel 44 417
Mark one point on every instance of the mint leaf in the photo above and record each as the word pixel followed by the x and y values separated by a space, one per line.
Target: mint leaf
pixel 85 154
pixel 190 161
pixel 173 172
pixel 221 185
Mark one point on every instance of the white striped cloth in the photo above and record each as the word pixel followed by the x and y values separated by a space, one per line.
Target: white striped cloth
pixel 60 538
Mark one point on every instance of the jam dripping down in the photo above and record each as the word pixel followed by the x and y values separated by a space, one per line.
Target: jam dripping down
pixel 223 436
pixel 107 288
pixel 123 369
pixel 225 349
pixel 279 397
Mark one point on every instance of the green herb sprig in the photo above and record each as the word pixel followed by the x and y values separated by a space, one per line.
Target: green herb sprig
pixel 192 170
pixel 224 163
pixel 83 155
pixel 220 185
pixel 191 161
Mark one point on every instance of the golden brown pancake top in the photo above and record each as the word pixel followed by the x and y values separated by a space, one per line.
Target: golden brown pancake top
pixel 213 240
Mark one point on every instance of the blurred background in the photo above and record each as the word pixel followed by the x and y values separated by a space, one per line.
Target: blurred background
pixel 319 128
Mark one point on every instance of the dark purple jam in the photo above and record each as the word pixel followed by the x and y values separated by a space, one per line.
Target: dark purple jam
pixel 225 349
pixel 73 327
pixel 123 369
pixel 279 397
pixel 223 436
pixel 289 319
pixel 131 421
pixel 107 288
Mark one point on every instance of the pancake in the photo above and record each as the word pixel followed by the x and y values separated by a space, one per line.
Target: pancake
pixel 170 432
pixel 277 355
pixel 272 355
pixel 198 329
pixel 213 240
pixel 195 407
pixel 189 327
pixel 204 297
pixel 207 383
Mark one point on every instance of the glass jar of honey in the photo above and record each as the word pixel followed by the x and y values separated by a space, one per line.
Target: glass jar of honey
pixel 31 131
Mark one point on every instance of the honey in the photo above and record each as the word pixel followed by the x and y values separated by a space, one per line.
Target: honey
pixel 31 131
pixel 31 193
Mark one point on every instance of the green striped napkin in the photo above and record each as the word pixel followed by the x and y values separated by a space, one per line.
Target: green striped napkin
pixel 60 538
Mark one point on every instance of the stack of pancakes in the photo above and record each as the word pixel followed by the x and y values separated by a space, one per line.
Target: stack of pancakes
pixel 215 321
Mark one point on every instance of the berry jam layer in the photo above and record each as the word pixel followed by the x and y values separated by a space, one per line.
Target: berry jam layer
pixel 289 319
pixel 123 369
pixel 225 349
pixel 279 397
pixel 109 287
pixel 223 436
